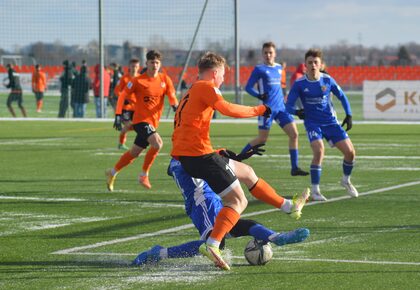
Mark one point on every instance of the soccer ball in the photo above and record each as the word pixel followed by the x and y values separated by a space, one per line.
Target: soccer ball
pixel 258 252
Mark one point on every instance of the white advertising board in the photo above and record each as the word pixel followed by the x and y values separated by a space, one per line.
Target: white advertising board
pixel 391 100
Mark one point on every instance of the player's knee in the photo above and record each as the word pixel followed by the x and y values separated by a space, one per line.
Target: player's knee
pixel 350 154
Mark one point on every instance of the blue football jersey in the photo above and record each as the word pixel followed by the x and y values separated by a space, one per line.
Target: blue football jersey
pixel 316 99
pixel 194 190
pixel 268 80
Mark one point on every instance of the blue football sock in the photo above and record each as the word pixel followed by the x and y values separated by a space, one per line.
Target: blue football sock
pixel 316 174
pixel 260 232
pixel 246 148
pixel 347 167
pixel 186 250
pixel 294 153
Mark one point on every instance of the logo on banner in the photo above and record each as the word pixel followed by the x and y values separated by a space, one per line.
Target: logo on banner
pixel 385 99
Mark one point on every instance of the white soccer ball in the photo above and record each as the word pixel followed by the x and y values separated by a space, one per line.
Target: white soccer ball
pixel 258 252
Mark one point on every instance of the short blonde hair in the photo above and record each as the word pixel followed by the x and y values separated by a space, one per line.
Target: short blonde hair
pixel 210 60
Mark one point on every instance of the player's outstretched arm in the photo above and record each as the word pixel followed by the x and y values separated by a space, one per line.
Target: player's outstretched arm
pixel 240 111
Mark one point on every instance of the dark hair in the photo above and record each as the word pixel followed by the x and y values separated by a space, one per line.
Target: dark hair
pixel 210 60
pixel 153 54
pixel 314 52
pixel 269 44
pixel 134 60
pixel 37 66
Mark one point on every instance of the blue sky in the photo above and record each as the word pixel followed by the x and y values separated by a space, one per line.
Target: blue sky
pixel 301 23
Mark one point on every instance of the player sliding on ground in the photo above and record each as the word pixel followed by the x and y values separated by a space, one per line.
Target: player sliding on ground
pixel 320 120
pixel 150 89
pixel 202 205
pixel 192 147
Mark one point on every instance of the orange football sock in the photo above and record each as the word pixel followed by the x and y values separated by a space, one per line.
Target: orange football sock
pixel 149 158
pixel 264 192
pixel 226 219
pixel 125 160
pixel 123 138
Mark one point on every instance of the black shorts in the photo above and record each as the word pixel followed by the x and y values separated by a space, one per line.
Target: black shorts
pixel 127 116
pixel 39 96
pixel 144 131
pixel 212 168
pixel 15 97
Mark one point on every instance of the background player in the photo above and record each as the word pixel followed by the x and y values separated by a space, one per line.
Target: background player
pixel 15 91
pixel 125 106
pixel 191 145
pixel 267 77
pixel 320 120
pixel 202 205
pixel 39 85
pixel 150 89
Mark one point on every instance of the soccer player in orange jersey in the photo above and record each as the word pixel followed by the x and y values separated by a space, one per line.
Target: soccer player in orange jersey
pixel 192 146
pixel 149 89
pixel 125 106
pixel 39 85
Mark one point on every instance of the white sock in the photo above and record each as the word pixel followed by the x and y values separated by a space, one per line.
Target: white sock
pixel 287 206
pixel 315 188
pixel 163 254
pixel 346 178
pixel 144 173
pixel 114 172
pixel 213 242
pixel 272 236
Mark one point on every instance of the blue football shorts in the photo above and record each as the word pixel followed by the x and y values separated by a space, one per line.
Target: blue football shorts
pixel 281 118
pixel 332 133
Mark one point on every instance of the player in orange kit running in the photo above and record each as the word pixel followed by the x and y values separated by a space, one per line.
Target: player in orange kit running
pixel 125 106
pixel 150 89
pixel 39 85
pixel 192 146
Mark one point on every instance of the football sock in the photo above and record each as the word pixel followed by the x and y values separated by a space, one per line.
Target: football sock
pixel 294 153
pixel 246 148
pixel 347 167
pixel 123 138
pixel 264 192
pixel 260 232
pixel 225 220
pixel 39 105
pixel 186 250
pixel 287 206
pixel 316 171
pixel 149 158
pixel 315 188
pixel 125 160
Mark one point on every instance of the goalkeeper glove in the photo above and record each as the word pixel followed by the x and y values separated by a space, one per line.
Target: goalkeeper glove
pixel 174 107
pixel 267 112
pixel 348 121
pixel 263 97
pixel 301 114
pixel 117 123
pixel 245 155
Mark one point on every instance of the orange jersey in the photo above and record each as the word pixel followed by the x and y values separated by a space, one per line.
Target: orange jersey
pixel 39 82
pixel 126 102
pixel 283 79
pixel 191 135
pixel 150 93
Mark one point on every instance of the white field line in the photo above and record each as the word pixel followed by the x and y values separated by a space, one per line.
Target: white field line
pixel 145 204
pixel 223 121
pixel 343 261
pixel 40 198
pixel 188 226
pixel 31 141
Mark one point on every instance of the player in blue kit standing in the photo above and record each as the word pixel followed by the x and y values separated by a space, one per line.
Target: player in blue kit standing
pixel 265 84
pixel 314 91
pixel 202 205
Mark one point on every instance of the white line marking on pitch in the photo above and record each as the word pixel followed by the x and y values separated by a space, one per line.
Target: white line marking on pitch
pixel 141 204
pixel 188 226
pixel 343 261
